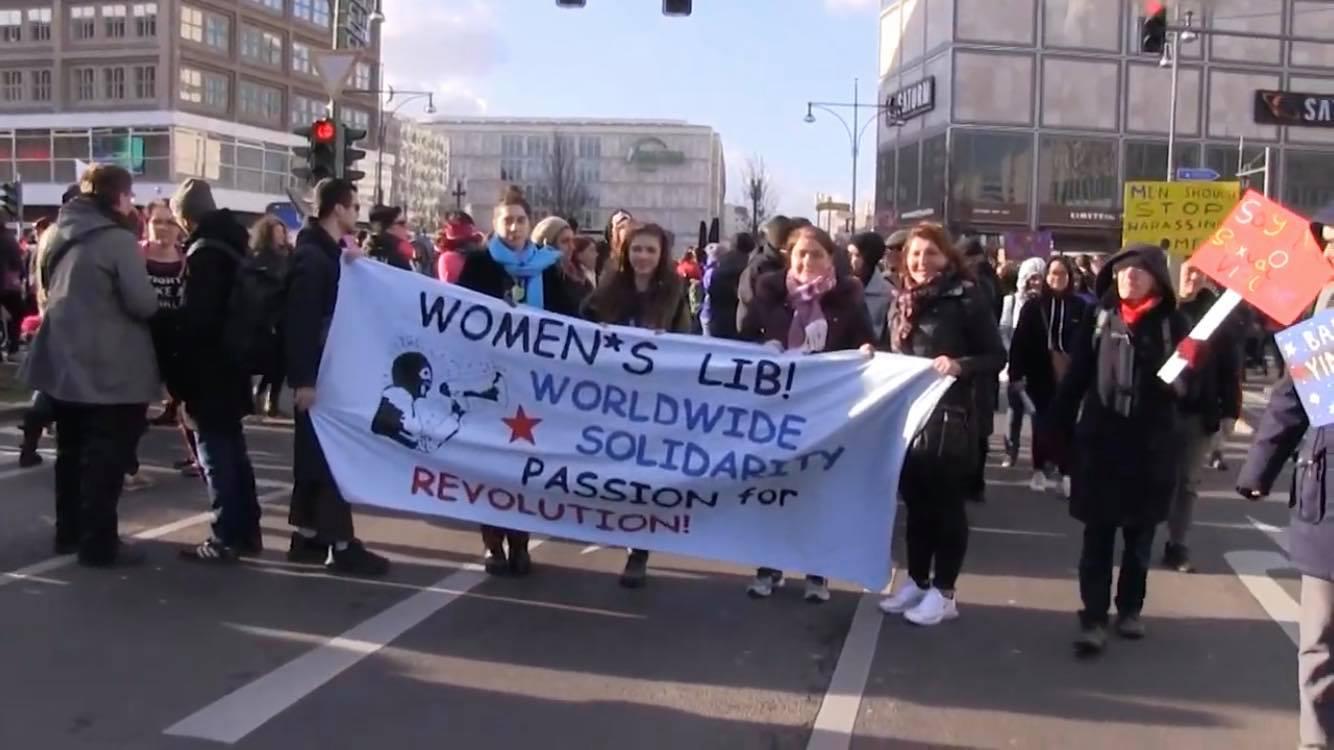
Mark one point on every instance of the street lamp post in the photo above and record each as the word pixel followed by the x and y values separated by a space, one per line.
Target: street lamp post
pixel 855 132
pixel 1172 50
pixel 391 92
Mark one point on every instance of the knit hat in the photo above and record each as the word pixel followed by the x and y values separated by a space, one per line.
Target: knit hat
pixel 192 200
pixel 897 240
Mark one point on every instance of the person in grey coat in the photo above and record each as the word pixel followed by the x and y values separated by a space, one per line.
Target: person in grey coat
pixel 93 356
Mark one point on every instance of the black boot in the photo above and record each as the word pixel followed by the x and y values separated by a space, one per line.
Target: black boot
pixel 28 455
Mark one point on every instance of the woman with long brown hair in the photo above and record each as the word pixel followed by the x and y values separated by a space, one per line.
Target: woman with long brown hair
pixel 811 307
pixel 642 290
pixel 272 251
pixel 942 315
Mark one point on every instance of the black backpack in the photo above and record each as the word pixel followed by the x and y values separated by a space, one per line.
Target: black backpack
pixel 250 334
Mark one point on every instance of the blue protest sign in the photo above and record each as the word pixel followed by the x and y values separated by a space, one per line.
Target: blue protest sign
pixel 1308 350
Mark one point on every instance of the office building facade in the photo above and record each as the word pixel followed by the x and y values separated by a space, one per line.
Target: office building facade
pixel 171 89
pixel 1031 114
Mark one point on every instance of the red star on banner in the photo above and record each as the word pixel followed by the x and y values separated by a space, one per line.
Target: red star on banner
pixel 521 426
pixel 1299 372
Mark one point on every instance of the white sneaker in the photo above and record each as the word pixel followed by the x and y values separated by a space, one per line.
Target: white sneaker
pixel 1039 482
pixel 907 597
pixel 934 609
pixel 1065 486
pixel 763 586
pixel 817 592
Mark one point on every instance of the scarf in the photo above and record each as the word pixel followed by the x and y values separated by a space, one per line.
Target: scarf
pixel 1132 312
pixel 909 304
pixel 525 266
pixel 805 301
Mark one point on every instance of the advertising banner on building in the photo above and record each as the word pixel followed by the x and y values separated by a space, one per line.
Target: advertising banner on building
pixel 1176 216
pixel 436 400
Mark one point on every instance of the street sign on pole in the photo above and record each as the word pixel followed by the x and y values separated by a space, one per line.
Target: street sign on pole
pixel 1196 174
pixel 334 67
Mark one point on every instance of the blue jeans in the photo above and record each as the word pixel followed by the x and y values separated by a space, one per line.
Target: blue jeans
pixel 231 485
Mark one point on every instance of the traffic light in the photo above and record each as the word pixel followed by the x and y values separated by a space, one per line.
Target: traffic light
pixel 319 152
pixel 676 7
pixel 1153 32
pixel 347 149
pixel 11 199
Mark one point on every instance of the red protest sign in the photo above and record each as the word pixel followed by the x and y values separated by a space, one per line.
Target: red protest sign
pixel 1266 253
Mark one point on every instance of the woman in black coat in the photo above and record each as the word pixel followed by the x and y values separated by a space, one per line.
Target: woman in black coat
pixel 940 314
pixel 1127 451
pixel 1044 337
pixel 512 268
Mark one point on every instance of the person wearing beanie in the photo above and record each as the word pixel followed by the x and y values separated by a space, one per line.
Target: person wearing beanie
pixel 388 241
pixel 213 387
pixel 452 243
pixel 894 256
pixel 864 255
pixel 1127 445
pixel 1028 287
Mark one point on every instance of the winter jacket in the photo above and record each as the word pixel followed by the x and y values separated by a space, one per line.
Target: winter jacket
pixel 388 249
pixel 1014 303
pixel 765 259
pixel 94 344
pixel 1213 385
pixel 312 290
pixel 722 285
pixel 672 307
pixel 207 378
pixel 957 324
pixel 1127 450
pixel 1283 434
pixel 878 296
pixel 1052 322
pixel 483 274
pixel 769 316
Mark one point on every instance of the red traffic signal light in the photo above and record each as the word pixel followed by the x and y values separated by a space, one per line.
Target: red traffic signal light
pixel 323 131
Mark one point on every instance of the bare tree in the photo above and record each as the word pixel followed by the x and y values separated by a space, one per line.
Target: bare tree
pixel 757 192
pixel 563 192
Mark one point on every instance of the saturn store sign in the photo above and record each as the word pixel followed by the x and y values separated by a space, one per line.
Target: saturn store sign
pixel 651 153
pixel 911 101
pixel 1292 108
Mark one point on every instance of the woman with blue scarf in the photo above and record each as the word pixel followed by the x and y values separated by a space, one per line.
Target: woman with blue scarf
pixel 512 268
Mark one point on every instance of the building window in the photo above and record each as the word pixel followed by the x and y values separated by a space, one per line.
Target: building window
pixel 1308 181
pixel 357 118
pixel 306 110
pixel 218 32
pixel 145 19
pixel 113 83
pixel 114 18
pixel 314 11
pixel 85 86
pixel 39 24
pixel 263 47
pixel 11 85
pixel 192 86
pixel 1077 181
pixel 41 85
pixel 590 147
pixel 273 5
pixel 361 76
pixel 192 24
pixel 11 26
pixel 301 59
pixel 216 91
pixel 84 18
pixel 145 82
pixel 992 168
pixel 260 102
pixel 907 187
pixel 1147 160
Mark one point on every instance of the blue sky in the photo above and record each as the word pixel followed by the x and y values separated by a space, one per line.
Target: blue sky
pixel 744 67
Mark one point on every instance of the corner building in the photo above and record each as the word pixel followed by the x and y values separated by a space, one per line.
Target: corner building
pixel 1042 109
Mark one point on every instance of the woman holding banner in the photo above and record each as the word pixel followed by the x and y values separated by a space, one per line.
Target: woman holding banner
pixel 642 290
pixel 512 268
pixel 941 315
pixel 812 308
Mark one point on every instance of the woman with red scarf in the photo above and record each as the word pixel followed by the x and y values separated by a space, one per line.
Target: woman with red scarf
pixel 1127 447
pixel 942 315
pixel 813 309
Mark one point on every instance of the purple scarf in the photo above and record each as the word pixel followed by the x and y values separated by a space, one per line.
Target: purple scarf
pixel 805 301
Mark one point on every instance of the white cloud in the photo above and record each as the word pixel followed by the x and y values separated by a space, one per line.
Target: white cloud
pixel 444 46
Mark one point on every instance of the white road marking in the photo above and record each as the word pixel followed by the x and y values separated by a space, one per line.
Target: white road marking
pixel 1275 533
pixel 1253 567
pixel 234 716
pixel 1016 532
pixel 31 572
pixel 837 718
pixel 589 549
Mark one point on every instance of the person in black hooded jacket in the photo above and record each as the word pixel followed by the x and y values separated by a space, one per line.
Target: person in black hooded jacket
pixel 987 388
pixel 213 387
pixel 1127 444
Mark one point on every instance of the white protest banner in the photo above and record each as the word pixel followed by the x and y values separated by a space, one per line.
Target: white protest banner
pixel 436 400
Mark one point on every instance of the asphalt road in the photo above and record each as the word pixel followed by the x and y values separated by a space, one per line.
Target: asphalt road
pixel 270 656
